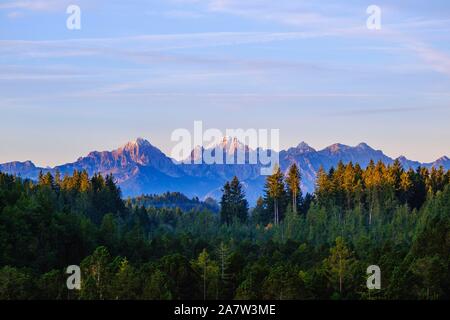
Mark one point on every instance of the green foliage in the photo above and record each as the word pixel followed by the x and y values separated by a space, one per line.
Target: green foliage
pixel 292 247
pixel 234 206
pixel 339 265
pixel 173 200
pixel 15 284
pixel 276 197
pixel 293 187
pixel 209 273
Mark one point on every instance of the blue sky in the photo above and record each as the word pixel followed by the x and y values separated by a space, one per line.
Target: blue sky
pixel 145 68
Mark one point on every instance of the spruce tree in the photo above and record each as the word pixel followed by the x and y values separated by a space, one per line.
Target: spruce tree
pixel 293 186
pixel 225 204
pixel 233 203
pixel 275 194
pixel 239 204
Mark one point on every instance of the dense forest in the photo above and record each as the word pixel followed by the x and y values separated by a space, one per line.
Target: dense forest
pixel 173 200
pixel 289 246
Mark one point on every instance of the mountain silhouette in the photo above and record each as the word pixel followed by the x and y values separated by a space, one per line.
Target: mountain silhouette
pixel 141 168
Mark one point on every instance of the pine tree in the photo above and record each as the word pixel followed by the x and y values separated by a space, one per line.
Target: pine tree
pixel 209 273
pixel 239 204
pixel 323 187
pixel 47 180
pixel 261 214
pixel 349 184
pixel 224 255
pixel 233 203
pixel 84 183
pixel 339 263
pixel 225 204
pixel 275 193
pixel 293 186
pixel 224 261
pixel 394 176
pixel 97 274
pixel 419 188
pixel 406 186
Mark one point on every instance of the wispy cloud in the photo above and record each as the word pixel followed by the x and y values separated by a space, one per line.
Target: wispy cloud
pixel 176 14
pixel 171 41
pixel 342 21
pixel 15 14
pixel 152 48
pixel 374 111
pixel 35 5
pixel 44 73
pixel 293 13
pixel 437 60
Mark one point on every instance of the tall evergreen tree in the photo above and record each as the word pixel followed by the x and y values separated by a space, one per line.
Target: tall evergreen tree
pixel 233 203
pixel 261 214
pixel 293 186
pixel 323 187
pixel 238 202
pixel 225 204
pixel 275 193
pixel 339 263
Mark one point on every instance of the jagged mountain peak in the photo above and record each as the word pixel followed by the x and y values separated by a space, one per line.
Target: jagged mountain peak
pixel 141 167
pixel 339 147
pixel 140 151
pixel 133 147
pixel 231 143
pixel 406 163
pixel 196 153
pixel 27 163
pixel 228 143
pixel 125 161
pixel 402 159
pixel 230 146
pixel 137 143
pixel 25 168
pixel 363 145
pixel 303 147
pixel 24 164
pixel 442 161
pixel 336 147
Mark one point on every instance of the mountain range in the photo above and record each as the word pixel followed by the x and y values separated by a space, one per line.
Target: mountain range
pixel 141 168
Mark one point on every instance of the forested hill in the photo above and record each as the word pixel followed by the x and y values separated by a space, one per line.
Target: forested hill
pixel 173 200
pixel 291 246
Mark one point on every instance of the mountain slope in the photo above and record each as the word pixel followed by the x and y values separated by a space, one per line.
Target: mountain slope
pixel 139 167
pixel 25 169
pixel 125 162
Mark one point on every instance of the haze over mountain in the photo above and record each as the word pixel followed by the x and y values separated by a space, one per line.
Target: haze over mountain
pixel 141 168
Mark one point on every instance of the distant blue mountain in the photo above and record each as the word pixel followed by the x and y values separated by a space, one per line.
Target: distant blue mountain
pixel 141 168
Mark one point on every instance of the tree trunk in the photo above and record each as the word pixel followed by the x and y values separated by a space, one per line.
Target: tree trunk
pixel 278 214
pixel 294 201
pixel 204 282
pixel 340 274
pixel 275 211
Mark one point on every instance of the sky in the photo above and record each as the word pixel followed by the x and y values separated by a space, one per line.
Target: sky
pixel 146 68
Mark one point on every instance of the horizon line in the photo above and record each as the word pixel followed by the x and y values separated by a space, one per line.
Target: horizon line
pixel 206 147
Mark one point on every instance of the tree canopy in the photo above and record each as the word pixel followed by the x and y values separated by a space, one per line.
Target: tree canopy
pixel 288 246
